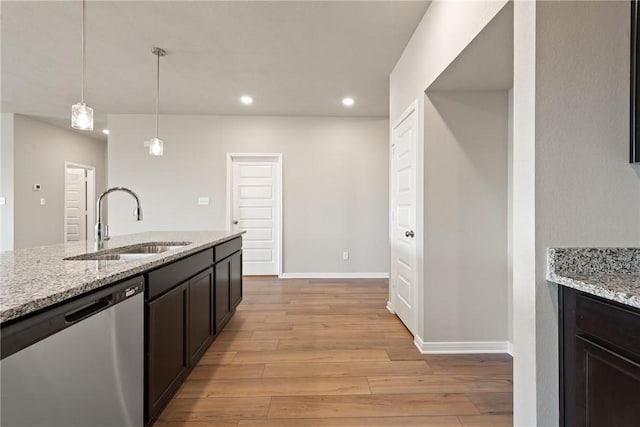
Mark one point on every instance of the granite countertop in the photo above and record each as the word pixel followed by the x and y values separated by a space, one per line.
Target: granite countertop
pixel 35 278
pixel 610 273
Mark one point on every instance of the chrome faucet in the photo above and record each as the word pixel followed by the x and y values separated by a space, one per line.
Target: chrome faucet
pixel 100 234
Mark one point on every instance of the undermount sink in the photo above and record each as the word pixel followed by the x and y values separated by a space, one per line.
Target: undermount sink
pixel 150 249
pixel 133 252
pixel 108 257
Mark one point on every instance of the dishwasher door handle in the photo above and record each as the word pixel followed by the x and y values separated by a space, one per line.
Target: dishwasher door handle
pixel 88 310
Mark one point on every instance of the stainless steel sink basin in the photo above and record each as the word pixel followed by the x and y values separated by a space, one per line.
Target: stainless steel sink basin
pixel 108 257
pixel 133 252
pixel 150 249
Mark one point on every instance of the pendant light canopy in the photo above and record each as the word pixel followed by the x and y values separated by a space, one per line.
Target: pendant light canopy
pixel 155 144
pixel 81 113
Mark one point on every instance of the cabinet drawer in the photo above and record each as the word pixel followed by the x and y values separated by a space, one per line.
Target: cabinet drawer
pixel 225 249
pixel 609 323
pixel 164 278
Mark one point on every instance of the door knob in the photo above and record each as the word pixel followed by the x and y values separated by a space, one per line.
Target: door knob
pixel 235 222
pixel 409 233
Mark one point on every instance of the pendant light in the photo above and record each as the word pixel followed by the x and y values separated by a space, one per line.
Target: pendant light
pixel 156 145
pixel 81 113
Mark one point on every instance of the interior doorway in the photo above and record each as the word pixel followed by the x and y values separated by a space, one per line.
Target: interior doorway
pixel 254 205
pixel 79 197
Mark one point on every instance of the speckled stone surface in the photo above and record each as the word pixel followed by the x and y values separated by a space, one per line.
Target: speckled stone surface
pixel 35 278
pixel 611 273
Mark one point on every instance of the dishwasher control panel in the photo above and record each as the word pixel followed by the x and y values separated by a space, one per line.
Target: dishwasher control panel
pixel 130 291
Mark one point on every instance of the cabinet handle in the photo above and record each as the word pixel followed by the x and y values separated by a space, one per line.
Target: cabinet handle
pixel 409 233
pixel 235 222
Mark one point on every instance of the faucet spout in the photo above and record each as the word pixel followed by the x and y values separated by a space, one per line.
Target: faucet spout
pixel 100 235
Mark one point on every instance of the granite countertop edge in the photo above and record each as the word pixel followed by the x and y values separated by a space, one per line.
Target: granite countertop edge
pixel 12 309
pixel 609 273
pixel 602 286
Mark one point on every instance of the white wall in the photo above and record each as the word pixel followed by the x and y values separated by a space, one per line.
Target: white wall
pixel 40 152
pixel 446 29
pixel 6 182
pixel 465 187
pixel 510 219
pixel 524 211
pixel 573 185
pixel 335 182
pixel 587 194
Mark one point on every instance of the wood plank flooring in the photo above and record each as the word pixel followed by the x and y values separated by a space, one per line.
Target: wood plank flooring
pixel 327 353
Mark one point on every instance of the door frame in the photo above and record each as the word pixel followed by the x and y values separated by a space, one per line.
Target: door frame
pixel 91 195
pixel 419 226
pixel 266 157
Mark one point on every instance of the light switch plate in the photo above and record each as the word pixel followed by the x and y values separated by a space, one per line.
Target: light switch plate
pixel 203 200
pixel 42 201
pixel 3 201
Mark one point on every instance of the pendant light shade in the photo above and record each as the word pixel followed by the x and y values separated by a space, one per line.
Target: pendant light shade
pixel 81 116
pixel 156 147
pixel 81 113
pixel 155 144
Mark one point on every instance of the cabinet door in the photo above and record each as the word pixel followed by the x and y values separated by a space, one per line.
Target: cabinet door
pixel 167 346
pixel 236 279
pixel 200 314
pixel 222 299
pixel 607 387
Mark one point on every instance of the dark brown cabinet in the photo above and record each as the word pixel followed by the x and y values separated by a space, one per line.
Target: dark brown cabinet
pixel 167 338
pixel 236 279
pixel 599 361
pixel 228 286
pixel 223 306
pixel 201 330
pixel 189 301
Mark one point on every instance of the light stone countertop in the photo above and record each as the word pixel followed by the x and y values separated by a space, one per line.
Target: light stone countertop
pixel 610 273
pixel 35 278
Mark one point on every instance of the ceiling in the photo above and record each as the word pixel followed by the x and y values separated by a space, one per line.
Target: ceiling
pixel 292 57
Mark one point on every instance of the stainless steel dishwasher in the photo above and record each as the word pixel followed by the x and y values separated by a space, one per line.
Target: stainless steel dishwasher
pixel 78 364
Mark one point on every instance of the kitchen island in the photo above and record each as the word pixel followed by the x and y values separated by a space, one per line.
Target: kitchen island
pixel 599 334
pixel 34 278
pixel 187 286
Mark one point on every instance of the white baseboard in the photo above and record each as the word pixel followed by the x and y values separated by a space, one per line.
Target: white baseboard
pixel 334 276
pixel 461 347
pixel 390 308
pixel 510 348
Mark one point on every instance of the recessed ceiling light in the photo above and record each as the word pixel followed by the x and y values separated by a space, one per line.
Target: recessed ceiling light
pixel 348 101
pixel 105 131
pixel 246 100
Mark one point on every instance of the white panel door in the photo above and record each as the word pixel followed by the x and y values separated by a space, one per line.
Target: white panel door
pixel 76 205
pixel 403 222
pixel 255 207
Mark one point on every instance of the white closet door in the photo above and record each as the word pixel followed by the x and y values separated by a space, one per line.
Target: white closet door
pixel 255 210
pixel 403 226
pixel 76 210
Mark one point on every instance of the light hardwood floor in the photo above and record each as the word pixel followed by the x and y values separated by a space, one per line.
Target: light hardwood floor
pixel 307 353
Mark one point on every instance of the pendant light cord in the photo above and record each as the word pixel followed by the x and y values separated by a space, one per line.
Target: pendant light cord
pixel 157 91
pixel 84 47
